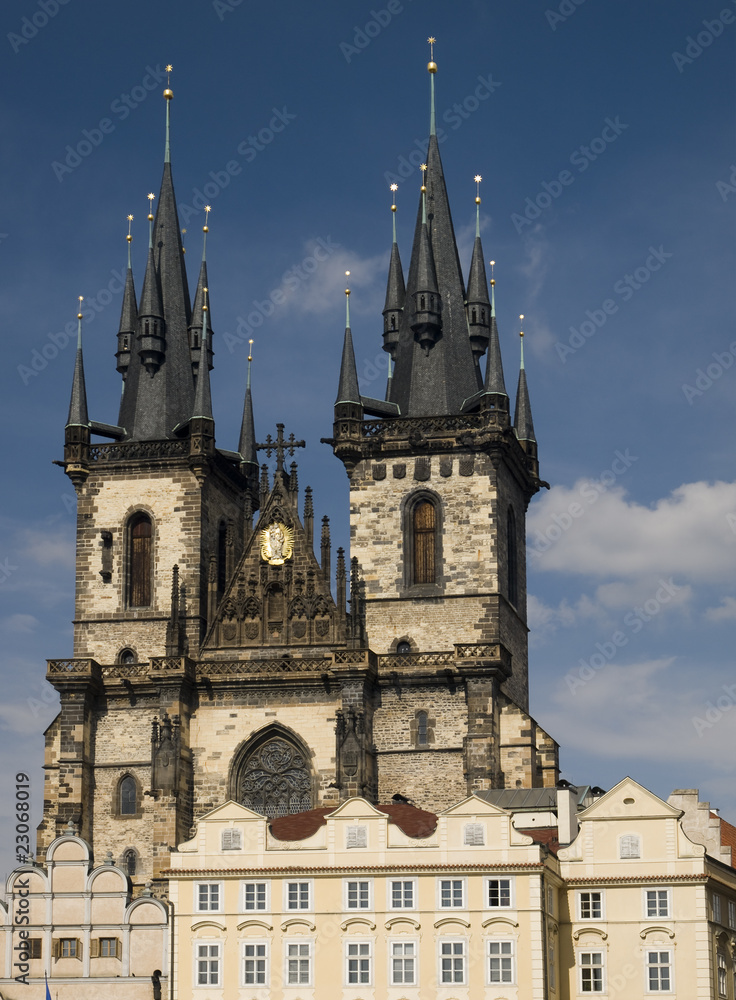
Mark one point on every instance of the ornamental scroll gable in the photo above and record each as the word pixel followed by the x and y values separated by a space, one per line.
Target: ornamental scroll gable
pixel 279 594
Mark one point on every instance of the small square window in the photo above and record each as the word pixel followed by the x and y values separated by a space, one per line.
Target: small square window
pixel 208 896
pixel 357 894
pixel 590 905
pixel 109 948
pixel 657 902
pixel 68 948
pixel 474 834
pixel 255 896
pixel 298 896
pixel 498 892
pixel 402 894
pixel 356 836
pixel 403 963
pixel 452 893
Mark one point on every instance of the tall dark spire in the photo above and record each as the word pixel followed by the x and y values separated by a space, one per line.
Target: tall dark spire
pixel 203 393
pixel 78 416
pixel 479 306
pixel 395 292
pixel 247 444
pixel 128 316
pixel 347 389
pixel 523 424
pixel 195 326
pixel 435 381
pixel 494 382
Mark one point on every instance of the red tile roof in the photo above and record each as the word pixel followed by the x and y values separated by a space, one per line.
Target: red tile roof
pixel 544 835
pixel 728 839
pixel 412 821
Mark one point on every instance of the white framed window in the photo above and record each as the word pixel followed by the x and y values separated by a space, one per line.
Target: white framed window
pixel 256 897
pixel 255 963
pixel 715 906
pixel 657 903
pixel 590 905
pixel 474 834
pixel 404 966
pixel 659 971
pixel 591 969
pixel 501 964
pixel 499 893
pixel 629 846
pixel 208 963
pixel 722 974
pixel 402 894
pixel 298 895
pixel 732 914
pixel 358 963
pixel 298 963
pixel 357 894
pixel 453 958
pixel 208 897
pixel 356 836
pixel 451 893
pixel 231 839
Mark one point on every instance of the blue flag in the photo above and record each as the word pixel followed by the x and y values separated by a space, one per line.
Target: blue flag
pixel 48 991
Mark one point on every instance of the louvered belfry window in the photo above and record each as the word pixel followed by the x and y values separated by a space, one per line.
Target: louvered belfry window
pixel 140 562
pixel 424 542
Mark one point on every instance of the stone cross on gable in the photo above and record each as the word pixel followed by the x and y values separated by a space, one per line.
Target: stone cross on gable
pixel 281 445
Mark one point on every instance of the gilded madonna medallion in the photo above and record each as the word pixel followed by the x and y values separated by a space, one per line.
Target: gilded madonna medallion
pixel 277 543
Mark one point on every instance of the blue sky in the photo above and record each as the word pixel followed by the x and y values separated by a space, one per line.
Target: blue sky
pixel 605 137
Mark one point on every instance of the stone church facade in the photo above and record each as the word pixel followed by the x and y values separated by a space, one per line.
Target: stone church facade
pixel 216 656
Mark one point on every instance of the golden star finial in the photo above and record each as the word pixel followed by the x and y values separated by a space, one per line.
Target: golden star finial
pixel 151 196
pixel 169 69
pixel 423 167
pixel 81 299
pixel 207 210
pixel 130 218
pixel 394 187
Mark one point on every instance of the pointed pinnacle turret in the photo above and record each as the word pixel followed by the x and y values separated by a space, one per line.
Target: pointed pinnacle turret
pixel 494 382
pixel 395 292
pixel 195 327
pixel 426 319
pixel 78 416
pixel 128 315
pixel 348 390
pixel 247 444
pixel 203 393
pixel 523 424
pixel 478 303
pixel 151 312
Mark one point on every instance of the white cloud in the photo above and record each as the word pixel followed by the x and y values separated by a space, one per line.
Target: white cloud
pixel 544 620
pixel 19 623
pixel 48 548
pixel 726 611
pixel 643 710
pixel 687 534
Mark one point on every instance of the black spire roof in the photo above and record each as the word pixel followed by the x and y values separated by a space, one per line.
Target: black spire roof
pixel 247 444
pixel 523 424
pixel 78 415
pixel 435 382
pixel 395 287
pixel 154 404
pixel 203 393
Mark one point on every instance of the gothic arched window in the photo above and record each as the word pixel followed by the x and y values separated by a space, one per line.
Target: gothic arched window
pixel 512 557
pixel 275 779
pixel 424 530
pixel 128 793
pixel 140 561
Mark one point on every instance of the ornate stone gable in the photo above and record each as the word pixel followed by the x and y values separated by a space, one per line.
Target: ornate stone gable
pixel 279 594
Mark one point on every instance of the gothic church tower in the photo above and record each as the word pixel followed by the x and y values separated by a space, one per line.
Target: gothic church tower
pixel 212 660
